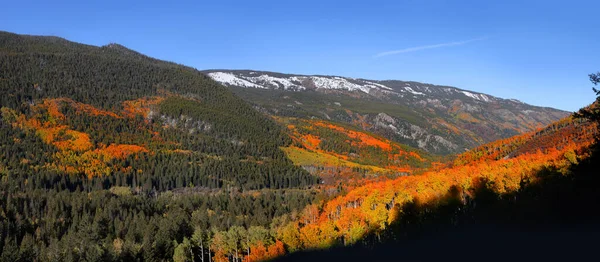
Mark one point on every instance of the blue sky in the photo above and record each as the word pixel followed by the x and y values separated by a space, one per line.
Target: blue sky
pixel 539 52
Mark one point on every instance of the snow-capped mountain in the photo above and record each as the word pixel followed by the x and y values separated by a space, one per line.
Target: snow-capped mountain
pixel 438 119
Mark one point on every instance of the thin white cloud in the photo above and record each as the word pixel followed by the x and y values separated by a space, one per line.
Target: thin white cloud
pixel 424 47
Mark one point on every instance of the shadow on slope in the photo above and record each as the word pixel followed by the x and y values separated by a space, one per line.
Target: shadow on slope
pixel 555 218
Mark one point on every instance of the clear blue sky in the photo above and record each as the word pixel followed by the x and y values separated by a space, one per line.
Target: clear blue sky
pixel 539 52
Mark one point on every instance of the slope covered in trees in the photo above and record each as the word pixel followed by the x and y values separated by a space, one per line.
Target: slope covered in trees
pixel 105 111
pixel 109 155
pixel 373 208
pixel 356 146
pixel 344 157
pixel 542 207
pixel 106 154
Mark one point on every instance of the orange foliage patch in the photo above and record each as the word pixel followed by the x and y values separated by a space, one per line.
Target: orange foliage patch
pixel 312 141
pixel 415 155
pixel 452 128
pixel 259 252
pixel 366 140
pixel 467 117
pixel 77 141
pixel 368 150
pixel 53 108
pixel 60 136
pixel 53 105
pixel 372 206
pixel 92 163
pixel 77 154
pixel 556 136
pixel 140 106
pixel 122 151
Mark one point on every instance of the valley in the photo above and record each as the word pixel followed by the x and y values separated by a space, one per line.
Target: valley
pixel 107 154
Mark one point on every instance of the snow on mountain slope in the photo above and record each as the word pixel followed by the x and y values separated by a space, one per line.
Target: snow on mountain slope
pixel 480 97
pixel 270 80
pixel 295 83
pixel 277 82
pixel 410 90
pixel 437 119
pixel 231 80
pixel 340 83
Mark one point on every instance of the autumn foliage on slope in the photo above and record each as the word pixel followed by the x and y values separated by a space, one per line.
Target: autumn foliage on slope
pixel 555 136
pixel 372 207
pixel 149 139
pixel 344 146
pixel 77 152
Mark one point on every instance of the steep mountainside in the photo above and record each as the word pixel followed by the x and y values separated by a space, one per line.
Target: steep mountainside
pixel 386 211
pixel 110 155
pixel 438 119
pixel 112 112
pixel 345 157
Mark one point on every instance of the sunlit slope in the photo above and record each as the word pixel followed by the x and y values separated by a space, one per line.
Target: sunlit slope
pixel 371 208
pixel 327 144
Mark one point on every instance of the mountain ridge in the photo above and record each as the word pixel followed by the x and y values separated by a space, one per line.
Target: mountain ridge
pixel 436 118
pixel 209 71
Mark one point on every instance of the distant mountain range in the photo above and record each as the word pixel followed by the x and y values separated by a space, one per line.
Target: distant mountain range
pixel 437 119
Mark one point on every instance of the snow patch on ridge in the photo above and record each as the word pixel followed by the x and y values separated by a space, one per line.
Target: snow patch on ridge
pixel 295 83
pixel 338 83
pixel 232 80
pixel 480 97
pixel 377 85
pixel 264 80
pixel 410 90
pixel 277 82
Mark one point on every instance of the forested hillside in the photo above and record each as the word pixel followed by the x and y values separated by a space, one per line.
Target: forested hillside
pixel 524 198
pixel 110 155
pixel 85 101
pixel 106 154
pixel 372 208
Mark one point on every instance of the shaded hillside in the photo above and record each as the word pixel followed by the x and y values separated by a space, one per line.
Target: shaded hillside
pixel 438 119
